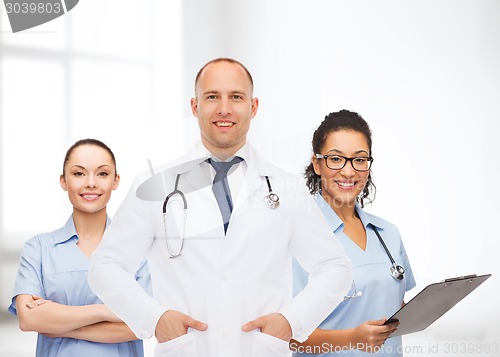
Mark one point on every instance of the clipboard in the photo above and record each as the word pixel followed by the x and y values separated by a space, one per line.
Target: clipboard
pixel 433 302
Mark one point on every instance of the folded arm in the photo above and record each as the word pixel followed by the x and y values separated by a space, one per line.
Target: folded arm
pixel 103 332
pixel 51 317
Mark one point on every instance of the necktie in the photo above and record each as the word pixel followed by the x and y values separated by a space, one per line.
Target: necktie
pixel 220 187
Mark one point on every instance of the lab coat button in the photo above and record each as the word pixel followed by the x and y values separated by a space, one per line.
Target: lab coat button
pixel 225 334
pixel 225 277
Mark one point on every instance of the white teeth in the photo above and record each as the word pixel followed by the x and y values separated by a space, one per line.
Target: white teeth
pixel 90 197
pixel 225 123
pixel 346 184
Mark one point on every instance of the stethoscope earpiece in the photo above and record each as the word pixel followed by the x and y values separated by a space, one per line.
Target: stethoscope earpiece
pixel 355 292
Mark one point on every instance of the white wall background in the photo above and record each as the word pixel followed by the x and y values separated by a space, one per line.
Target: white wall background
pixel 424 74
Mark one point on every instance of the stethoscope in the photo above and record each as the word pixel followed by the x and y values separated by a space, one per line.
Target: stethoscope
pixel 397 271
pixel 176 191
pixel 271 200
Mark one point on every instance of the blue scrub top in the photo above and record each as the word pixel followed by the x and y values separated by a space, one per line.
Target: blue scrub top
pixel 382 295
pixel 52 266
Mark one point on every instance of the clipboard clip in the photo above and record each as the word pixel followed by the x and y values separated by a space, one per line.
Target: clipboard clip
pixel 463 277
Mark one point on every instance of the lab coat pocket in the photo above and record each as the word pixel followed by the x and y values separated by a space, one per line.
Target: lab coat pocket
pixel 184 345
pixel 269 346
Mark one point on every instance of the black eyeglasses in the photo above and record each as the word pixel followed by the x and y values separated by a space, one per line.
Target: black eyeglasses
pixel 337 162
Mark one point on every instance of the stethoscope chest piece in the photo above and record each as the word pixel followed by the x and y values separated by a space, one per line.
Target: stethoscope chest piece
pixel 398 272
pixel 272 200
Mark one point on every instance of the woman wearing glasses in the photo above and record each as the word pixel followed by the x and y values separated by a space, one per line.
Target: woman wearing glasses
pixel 339 176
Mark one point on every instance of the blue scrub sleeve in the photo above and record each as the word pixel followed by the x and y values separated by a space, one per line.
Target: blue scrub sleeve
pixel 300 277
pixel 29 275
pixel 143 277
pixel 409 278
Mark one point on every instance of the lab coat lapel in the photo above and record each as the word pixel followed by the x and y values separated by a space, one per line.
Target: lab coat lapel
pixel 204 215
pixel 199 180
pixel 251 183
pixel 257 169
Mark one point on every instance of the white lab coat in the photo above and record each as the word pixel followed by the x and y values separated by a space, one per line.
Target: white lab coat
pixel 222 280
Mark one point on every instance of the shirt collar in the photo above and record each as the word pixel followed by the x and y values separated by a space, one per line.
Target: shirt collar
pixel 248 153
pixel 243 152
pixel 335 222
pixel 368 218
pixel 69 231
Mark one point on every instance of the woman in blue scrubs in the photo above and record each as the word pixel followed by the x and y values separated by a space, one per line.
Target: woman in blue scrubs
pixel 51 294
pixel 339 176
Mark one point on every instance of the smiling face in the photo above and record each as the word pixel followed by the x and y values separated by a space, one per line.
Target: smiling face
pixel 224 107
pixel 89 178
pixel 341 187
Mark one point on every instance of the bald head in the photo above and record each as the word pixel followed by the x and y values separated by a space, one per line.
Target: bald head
pixel 218 60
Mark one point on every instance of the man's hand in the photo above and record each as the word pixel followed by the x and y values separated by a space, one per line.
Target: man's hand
pixel 273 324
pixel 173 324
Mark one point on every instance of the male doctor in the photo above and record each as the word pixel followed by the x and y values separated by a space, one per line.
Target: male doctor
pixel 221 268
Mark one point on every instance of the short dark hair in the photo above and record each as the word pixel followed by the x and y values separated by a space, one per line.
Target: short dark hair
pixel 217 60
pixel 82 142
pixel 336 121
